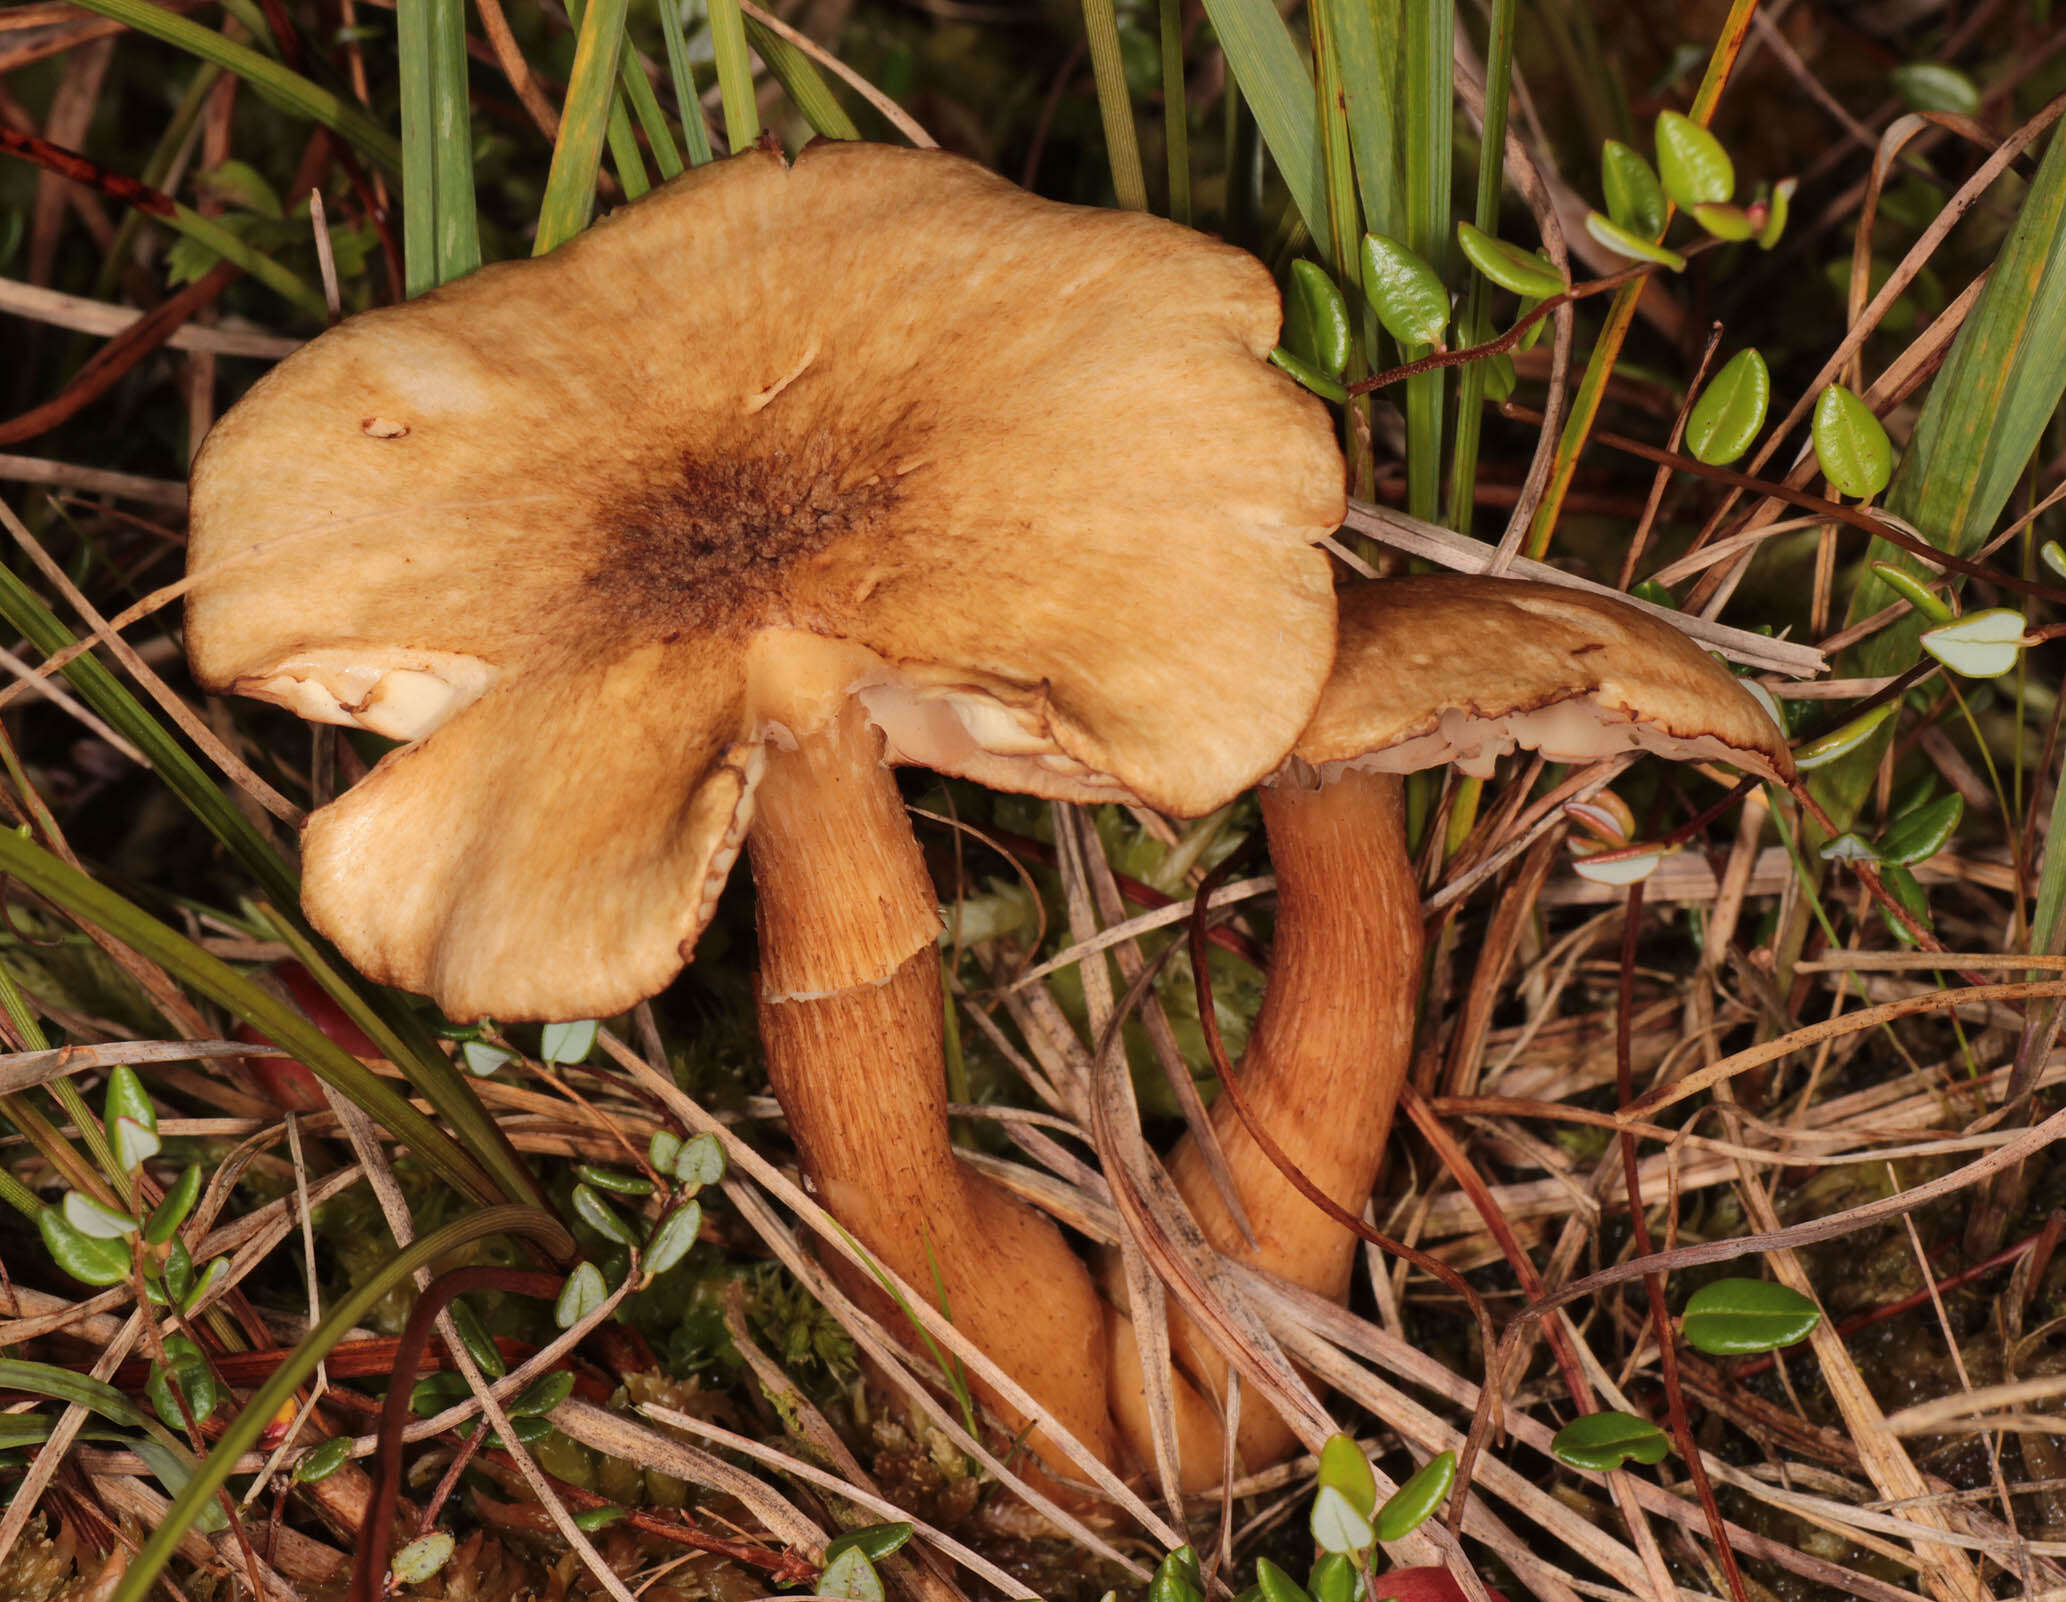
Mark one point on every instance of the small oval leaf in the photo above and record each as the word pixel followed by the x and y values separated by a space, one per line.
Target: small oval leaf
pixel 135 1144
pixel 1344 1467
pixel 1602 1442
pixel 601 1217
pixel 1333 1578
pixel 672 1240
pixel 1307 376
pixel 213 1275
pixel 582 1294
pixel 1730 410
pixel 1773 228
pixel 421 1558
pixel 1848 847
pixel 1919 834
pixel 876 1541
pixel 91 1218
pixel 482 1059
pixel 1624 243
pixel 1527 273
pixel 1908 894
pixel 1980 645
pixel 187 1368
pixel 1407 1508
pixel 543 1394
pixel 1276 1585
pixel 2054 557
pixel 1336 1524
pixel 323 1461
pixel 126 1098
pixel 567 1042
pixel 701 1162
pixel 1839 741
pixel 1691 163
pixel 1853 450
pixel 93 1259
pixel 1635 199
pixel 662 1150
pixel 170 1213
pixel 480 1346
pixel 1913 590
pixel 1404 291
pixel 615 1180
pixel 1316 319
pixel 851 1575
pixel 1735 1317
pixel 1730 223
pixel 1932 86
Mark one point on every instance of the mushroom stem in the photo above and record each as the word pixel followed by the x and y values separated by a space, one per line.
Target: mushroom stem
pixel 1325 1063
pixel 850 1012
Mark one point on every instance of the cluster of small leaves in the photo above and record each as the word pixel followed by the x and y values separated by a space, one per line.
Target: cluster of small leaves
pixel 1694 173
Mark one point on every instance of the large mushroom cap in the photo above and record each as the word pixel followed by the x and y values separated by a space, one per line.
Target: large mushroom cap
pixel 1447 668
pixel 589 530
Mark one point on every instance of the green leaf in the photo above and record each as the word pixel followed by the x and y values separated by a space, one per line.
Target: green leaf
pixel 1726 222
pixel 1404 291
pixel 213 1275
pixel 601 1217
pixel 583 1293
pixel 700 1162
pixel 170 1213
pixel 1909 895
pixel 591 1519
pixel 1850 446
pixel 1848 847
pixel 1336 1524
pixel 613 1179
pixel 2054 557
pixel 126 1098
pixel 672 1240
pixel 1602 1442
pixel 1921 832
pixel 1737 1317
pixel 662 1150
pixel 323 1460
pixel 1623 243
pixel 1344 1467
pixel 1316 319
pixel 1635 199
pixel 1276 1585
pixel 851 1575
pixel 95 1221
pixel 1333 1578
pixel 543 1394
pixel 1980 645
pixel 1932 86
pixel 1913 590
pixel 873 1541
pixel 1730 410
pixel 1840 741
pixel 567 1042
pixel 237 184
pixel 1500 377
pixel 1776 210
pixel 480 1345
pixel 1308 376
pixel 801 81
pixel 186 1368
pixel 1177 1578
pixel 483 1059
pixel 1691 163
pixel 178 1270
pixel 422 1557
pixel 134 1144
pixel 1527 273
pixel 1407 1508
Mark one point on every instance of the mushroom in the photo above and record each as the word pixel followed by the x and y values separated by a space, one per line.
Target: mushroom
pixel 1429 670
pixel 784 473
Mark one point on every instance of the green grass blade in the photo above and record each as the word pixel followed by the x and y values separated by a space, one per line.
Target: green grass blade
pixel 1176 110
pixel 419 160
pixel 272 82
pixel 734 74
pixel 1115 104
pixel 87 899
pixel 1470 386
pixel 1369 75
pixel 802 82
pixel 1279 95
pixel 111 699
pixel 1429 125
pixel 242 1433
pixel 694 134
pixel 591 94
pixel 637 92
pixel 451 131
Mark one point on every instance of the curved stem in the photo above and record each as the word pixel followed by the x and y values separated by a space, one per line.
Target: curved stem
pixel 851 1015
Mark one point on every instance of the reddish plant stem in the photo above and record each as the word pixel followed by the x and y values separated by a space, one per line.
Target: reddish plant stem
pixel 83 170
pixel 370 1571
pixel 1667 1350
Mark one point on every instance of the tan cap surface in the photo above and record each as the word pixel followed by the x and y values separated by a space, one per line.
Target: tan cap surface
pixel 1449 668
pixel 589 530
